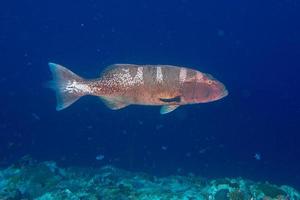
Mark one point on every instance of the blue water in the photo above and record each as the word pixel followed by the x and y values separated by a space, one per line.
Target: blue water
pixel 253 47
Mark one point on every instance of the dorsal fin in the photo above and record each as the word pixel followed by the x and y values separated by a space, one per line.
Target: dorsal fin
pixel 167 109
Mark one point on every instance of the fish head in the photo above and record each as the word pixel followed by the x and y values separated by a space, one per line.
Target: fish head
pixel 204 88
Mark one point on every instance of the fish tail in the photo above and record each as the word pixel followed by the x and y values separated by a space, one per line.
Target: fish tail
pixel 68 86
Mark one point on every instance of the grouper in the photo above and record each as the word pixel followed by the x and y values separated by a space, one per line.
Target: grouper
pixel 121 85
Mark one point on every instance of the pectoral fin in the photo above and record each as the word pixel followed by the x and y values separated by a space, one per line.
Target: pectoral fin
pixel 113 103
pixel 167 109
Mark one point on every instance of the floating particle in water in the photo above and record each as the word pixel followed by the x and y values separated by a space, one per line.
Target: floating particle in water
pixel 221 32
pixel 164 148
pixel 188 154
pixel 99 157
pixel 202 151
pixel 246 93
pixel 90 127
pixel 10 144
pixel 257 156
pixel 12 93
pixel 159 126
pixel 35 116
pixel 3 79
pixel 179 170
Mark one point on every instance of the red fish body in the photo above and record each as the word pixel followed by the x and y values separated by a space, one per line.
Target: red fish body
pixel 121 85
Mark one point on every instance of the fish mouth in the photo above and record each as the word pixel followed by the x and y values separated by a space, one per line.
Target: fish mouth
pixel 220 96
pixel 225 93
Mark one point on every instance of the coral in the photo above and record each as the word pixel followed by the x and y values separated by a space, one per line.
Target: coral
pixel 46 181
pixel 236 195
pixel 271 190
pixel 222 195
pixel 226 182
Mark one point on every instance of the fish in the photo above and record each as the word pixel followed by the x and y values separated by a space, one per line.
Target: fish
pixel 121 85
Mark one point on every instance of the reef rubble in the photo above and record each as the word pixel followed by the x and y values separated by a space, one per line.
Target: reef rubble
pixel 47 181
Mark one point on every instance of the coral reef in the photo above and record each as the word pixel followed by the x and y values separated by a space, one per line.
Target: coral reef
pixel 46 181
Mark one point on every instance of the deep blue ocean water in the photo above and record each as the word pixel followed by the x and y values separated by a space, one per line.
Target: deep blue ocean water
pixel 253 47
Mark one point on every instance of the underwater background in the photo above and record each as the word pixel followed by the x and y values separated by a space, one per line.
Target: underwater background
pixel 253 47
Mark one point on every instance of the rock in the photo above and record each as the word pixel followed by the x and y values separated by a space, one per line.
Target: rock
pixel 222 195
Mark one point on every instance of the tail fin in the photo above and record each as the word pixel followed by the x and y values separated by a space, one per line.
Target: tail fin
pixel 68 86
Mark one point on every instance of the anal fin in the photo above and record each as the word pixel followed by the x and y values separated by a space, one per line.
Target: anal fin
pixel 167 109
pixel 113 103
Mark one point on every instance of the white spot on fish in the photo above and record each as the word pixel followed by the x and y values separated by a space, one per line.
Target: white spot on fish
pixel 182 75
pixel 125 79
pixel 125 70
pixel 139 76
pixel 199 76
pixel 159 75
pixel 75 87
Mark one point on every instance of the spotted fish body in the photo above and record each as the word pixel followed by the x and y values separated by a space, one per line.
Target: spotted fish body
pixel 121 85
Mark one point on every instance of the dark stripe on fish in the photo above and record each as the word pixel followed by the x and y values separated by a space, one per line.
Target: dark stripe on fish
pixel 175 99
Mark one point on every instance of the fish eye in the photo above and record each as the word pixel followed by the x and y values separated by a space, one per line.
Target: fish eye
pixel 209 82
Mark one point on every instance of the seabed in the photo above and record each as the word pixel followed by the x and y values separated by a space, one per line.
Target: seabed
pixel 47 181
